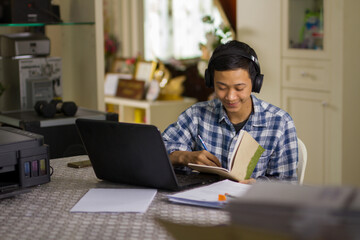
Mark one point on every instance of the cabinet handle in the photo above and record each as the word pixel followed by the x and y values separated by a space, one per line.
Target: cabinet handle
pixel 324 103
pixel 304 74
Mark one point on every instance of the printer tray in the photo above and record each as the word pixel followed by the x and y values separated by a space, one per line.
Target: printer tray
pixel 24 161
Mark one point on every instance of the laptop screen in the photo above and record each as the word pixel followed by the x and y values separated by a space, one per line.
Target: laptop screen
pixel 127 153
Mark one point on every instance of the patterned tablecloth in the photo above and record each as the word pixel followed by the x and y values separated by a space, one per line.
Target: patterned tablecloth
pixel 44 213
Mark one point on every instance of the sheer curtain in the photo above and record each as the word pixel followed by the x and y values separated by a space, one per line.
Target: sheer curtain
pixel 174 28
pixel 126 22
pixel 161 29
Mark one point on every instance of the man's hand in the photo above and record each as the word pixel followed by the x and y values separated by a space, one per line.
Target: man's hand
pixel 248 181
pixel 198 157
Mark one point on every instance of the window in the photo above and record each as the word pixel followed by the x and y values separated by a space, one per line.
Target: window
pixel 174 28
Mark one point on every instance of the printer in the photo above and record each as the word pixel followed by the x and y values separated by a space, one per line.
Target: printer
pixel 27 72
pixel 24 161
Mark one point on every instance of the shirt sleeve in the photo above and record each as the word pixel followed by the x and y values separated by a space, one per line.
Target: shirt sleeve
pixel 178 136
pixel 283 162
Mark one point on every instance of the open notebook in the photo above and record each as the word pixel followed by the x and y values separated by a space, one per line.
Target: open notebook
pixel 244 158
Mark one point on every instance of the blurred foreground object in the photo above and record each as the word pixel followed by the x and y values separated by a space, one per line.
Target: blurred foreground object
pixel 275 210
pixel 307 212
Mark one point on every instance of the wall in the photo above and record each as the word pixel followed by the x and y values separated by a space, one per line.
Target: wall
pixel 253 21
pixel 351 97
pixel 81 47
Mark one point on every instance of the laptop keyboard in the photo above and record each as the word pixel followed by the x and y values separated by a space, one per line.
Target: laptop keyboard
pixel 196 179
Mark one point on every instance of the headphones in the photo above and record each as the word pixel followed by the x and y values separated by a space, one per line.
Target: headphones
pixel 256 82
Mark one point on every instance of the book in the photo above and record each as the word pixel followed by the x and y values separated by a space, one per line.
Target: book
pixel 244 158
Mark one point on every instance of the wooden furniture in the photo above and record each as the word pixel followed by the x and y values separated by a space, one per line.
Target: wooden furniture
pixel 158 113
pixel 317 87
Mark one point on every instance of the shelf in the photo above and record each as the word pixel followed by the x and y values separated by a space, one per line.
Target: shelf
pixel 79 41
pixel 158 113
pixel 44 24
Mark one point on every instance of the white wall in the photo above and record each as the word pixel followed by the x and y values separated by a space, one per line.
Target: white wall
pixel 258 24
pixel 351 88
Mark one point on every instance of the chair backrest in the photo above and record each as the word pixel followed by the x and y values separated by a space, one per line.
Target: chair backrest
pixel 302 161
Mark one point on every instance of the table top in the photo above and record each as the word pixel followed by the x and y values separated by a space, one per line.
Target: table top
pixel 44 212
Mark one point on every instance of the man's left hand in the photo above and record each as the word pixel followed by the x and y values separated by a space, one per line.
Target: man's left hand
pixel 248 181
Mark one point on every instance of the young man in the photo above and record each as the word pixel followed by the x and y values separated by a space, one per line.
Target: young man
pixel 234 72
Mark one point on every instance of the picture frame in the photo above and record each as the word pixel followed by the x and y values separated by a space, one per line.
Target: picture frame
pixel 112 81
pixel 130 88
pixel 120 66
pixel 144 70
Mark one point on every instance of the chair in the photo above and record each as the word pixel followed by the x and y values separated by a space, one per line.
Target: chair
pixel 302 161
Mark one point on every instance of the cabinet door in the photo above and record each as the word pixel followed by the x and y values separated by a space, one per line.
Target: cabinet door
pixel 311 116
pixel 306 28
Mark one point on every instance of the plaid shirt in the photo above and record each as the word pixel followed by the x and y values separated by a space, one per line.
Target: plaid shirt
pixel 270 126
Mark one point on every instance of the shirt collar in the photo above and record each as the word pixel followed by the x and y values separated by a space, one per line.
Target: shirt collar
pixel 258 118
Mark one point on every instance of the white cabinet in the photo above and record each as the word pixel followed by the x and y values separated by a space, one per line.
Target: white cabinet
pixel 158 113
pixel 306 79
pixel 317 85
pixel 306 28
pixel 310 112
pixel 306 74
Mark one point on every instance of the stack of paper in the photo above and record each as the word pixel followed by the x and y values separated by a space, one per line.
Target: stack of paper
pixel 208 196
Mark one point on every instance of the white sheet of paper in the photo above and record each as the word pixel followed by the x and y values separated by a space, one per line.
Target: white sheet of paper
pixel 115 200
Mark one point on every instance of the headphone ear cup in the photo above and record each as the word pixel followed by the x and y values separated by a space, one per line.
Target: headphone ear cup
pixel 258 83
pixel 208 79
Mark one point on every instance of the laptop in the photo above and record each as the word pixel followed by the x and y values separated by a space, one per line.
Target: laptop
pixel 131 153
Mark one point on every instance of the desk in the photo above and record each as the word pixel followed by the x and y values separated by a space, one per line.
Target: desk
pixel 44 213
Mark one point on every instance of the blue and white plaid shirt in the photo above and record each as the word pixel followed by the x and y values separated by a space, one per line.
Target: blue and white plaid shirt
pixel 270 126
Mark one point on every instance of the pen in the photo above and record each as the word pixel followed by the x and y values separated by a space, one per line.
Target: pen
pixel 229 195
pixel 202 142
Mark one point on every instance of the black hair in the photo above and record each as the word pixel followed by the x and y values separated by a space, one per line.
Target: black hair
pixel 226 57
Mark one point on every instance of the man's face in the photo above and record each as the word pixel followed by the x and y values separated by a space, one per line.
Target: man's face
pixel 233 88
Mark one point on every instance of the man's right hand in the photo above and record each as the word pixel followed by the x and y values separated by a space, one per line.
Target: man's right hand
pixel 198 157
